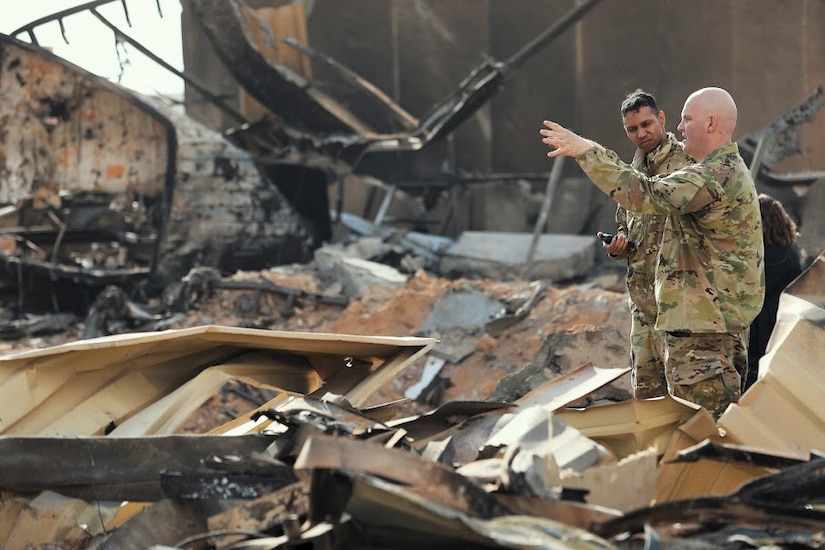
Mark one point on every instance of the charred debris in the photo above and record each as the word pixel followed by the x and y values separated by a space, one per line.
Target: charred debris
pixel 316 464
pixel 101 187
pixel 108 212
pixel 104 187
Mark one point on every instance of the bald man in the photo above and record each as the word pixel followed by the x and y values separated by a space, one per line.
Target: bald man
pixel 710 279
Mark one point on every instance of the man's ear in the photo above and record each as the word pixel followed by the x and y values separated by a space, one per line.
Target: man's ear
pixel 712 123
pixel 662 118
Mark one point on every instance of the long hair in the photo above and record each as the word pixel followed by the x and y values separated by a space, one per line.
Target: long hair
pixel 777 226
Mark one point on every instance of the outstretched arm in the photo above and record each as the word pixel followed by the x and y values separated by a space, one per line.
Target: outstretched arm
pixel 563 142
pixel 684 191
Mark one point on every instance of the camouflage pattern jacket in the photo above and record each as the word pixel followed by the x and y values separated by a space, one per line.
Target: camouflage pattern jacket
pixel 710 274
pixel 645 230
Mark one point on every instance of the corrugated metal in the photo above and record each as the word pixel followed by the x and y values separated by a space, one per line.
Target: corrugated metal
pixel 148 383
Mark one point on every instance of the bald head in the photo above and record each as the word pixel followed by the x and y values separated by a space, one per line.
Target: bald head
pixel 708 121
pixel 719 103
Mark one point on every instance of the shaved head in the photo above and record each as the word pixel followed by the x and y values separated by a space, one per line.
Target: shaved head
pixel 717 102
pixel 708 121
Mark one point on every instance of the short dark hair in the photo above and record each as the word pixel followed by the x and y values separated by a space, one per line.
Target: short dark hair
pixel 637 99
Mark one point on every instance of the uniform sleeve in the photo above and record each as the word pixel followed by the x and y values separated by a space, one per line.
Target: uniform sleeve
pixel 684 191
pixel 621 219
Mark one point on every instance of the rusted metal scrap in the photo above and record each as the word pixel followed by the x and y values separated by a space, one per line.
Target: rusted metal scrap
pixel 202 282
pixel 99 186
pixel 248 48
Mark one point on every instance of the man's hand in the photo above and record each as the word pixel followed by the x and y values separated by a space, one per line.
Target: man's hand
pixel 617 245
pixel 563 142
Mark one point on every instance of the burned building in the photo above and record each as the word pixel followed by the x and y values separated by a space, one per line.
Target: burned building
pixel 102 186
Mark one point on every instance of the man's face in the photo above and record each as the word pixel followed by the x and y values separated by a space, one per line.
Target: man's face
pixel 692 126
pixel 645 128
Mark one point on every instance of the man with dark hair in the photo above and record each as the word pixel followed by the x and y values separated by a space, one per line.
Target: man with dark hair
pixel 710 278
pixel 638 238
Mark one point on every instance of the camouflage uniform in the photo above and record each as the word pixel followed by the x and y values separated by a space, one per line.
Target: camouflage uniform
pixel 709 278
pixel 647 345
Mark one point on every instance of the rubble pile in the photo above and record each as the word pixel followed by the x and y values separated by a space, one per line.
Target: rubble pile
pixel 395 389
pixel 455 413
pixel 481 339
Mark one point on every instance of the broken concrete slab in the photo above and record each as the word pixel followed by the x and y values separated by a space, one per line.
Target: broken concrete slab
pixel 424 245
pixel 501 255
pixel 460 308
pixel 458 319
pixel 357 275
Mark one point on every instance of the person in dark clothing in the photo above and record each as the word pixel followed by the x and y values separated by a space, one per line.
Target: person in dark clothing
pixel 782 266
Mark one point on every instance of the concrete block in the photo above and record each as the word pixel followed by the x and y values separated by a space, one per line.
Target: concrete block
pixel 501 255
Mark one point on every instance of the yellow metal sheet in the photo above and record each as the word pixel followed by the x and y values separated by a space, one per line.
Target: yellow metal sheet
pixel 630 426
pixel 148 380
pixel 683 480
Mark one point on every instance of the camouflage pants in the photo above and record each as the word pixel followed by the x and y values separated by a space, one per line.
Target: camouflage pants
pixel 707 369
pixel 647 345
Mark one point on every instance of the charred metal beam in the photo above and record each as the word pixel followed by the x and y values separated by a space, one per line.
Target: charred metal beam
pixel 102 468
pixel 197 86
pixel 268 286
pixel 714 511
pixel 401 116
pixel 486 79
pixel 58 16
pixel 74 273
pixel 275 144
pixel 277 87
pixel 33 325
pixel 202 281
pixel 801 485
pixel 780 139
pixel 223 486
pixel 318 120
pixel 735 454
